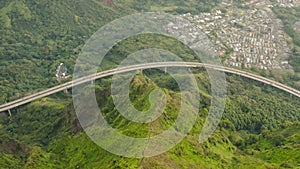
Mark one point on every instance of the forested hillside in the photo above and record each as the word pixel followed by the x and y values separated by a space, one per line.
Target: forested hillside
pixel 46 133
pixel 259 128
pixel 37 35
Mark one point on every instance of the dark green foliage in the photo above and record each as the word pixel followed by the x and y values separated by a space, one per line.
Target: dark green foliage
pixel 259 129
pixel 236 143
pixel 251 108
pixel 37 35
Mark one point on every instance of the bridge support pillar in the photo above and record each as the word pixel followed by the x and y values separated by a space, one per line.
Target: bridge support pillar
pixel 9 113
pixel 166 70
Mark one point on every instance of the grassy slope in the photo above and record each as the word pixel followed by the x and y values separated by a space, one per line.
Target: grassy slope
pixel 37 35
pixel 54 144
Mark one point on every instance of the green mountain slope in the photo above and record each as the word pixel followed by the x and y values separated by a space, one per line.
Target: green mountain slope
pixel 49 134
pixel 37 35
pixel 259 128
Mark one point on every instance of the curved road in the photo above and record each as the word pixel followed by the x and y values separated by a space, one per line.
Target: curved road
pixel 38 95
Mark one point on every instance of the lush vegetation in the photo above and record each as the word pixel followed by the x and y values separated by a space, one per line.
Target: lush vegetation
pixel 37 35
pixel 259 128
pixel 46 133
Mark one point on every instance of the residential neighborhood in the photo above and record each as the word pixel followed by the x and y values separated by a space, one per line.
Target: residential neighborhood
pixel 249 36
